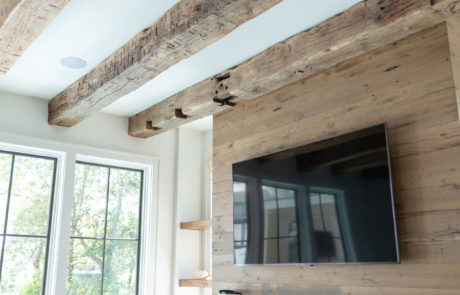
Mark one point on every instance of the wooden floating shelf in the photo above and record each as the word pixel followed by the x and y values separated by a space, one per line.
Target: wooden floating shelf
pixel 197 224
pixel 198 283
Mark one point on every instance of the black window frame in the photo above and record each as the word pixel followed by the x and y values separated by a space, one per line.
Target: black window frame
pixel 105 239
pixel 4 233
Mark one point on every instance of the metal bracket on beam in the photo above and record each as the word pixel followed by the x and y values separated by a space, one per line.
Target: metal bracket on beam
pixel 225 101
pixel 180 114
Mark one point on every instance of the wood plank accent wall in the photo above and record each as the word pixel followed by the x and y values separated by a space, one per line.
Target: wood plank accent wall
pixel 410 85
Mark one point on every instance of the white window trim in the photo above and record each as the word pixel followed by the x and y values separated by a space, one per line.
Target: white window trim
pixel 148 221
pixel 67 155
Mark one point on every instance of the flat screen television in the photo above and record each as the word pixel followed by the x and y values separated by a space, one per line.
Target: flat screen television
pixel 325 202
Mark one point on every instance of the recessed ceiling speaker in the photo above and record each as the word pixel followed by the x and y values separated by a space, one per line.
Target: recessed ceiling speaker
pixel 73 62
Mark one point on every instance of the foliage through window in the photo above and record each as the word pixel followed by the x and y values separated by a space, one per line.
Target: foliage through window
pixel 105 226
pixel 26 198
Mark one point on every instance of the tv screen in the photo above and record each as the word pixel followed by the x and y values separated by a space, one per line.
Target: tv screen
pixel 325 202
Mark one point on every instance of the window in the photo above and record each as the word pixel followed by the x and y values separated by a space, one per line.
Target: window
pixel 105 227
pixel 103 242
pixel 26 199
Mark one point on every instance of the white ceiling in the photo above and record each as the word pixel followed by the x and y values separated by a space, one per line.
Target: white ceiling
pixel 94 29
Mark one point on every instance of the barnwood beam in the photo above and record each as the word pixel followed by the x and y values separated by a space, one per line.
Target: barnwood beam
pixel 360 29
pixel 6 8
pixel 21 21
pixel 182 31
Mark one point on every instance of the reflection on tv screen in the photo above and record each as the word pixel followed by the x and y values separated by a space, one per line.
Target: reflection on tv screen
pixel 325 202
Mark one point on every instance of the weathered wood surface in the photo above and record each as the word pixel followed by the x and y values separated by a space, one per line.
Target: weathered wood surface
pixel 21 21
pixel 182 31
pixel 410 85
pixel 6 7
pixel 287 289
pixel 360 29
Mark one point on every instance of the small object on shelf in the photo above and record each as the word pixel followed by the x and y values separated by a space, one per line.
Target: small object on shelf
pixel 202 274
pixel 197 224
pixel 199 283
pixel 229 292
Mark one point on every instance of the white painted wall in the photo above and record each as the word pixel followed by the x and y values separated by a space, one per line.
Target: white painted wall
pixel 25 120
pixel 207 204
pixel 193 248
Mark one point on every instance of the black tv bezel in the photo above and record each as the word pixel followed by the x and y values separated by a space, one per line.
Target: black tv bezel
pixel 393 207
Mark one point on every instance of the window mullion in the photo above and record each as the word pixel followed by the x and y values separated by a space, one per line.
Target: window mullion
pixel 139 231
pixel 60 229
pixel 6 213
pixel 50 225
pixel 105 230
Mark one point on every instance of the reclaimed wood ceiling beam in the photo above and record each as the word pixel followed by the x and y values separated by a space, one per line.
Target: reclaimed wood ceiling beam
pixel 360 29
pixel 21 21
pixel 182 31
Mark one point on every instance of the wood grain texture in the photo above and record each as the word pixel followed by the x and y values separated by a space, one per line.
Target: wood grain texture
pixel 6 7
pixel 182 31
pixel 196 283
pixel 21 21
pixel 410 85
pixel 286 289
pixel 197 224
pixel 360 29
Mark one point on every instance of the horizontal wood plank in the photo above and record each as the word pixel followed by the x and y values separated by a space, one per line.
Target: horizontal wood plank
pixel 280 289
pixel 373 276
